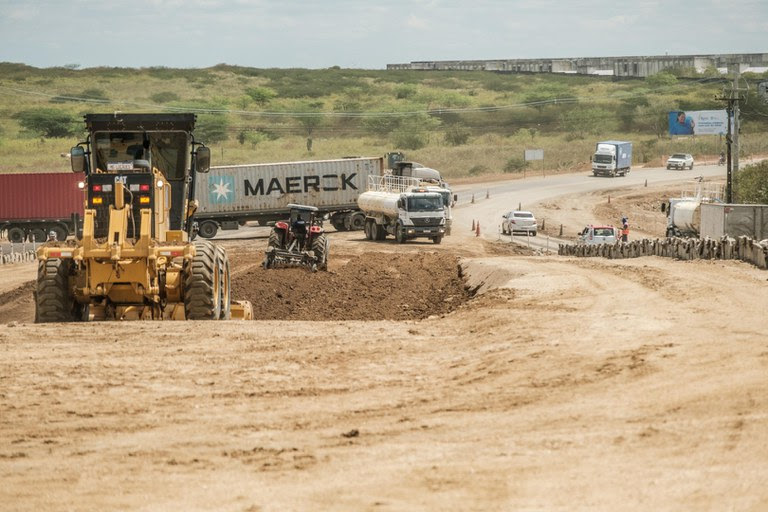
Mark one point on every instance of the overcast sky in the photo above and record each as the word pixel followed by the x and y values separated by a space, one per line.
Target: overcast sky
pixel 364 34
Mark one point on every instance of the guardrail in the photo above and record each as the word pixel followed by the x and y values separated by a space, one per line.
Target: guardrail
pixel 742 248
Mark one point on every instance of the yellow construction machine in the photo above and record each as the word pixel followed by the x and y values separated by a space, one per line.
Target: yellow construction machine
pixel 133 258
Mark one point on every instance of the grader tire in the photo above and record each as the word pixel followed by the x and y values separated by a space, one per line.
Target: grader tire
pixel 54 301
pixel 202 284
pixel 224 279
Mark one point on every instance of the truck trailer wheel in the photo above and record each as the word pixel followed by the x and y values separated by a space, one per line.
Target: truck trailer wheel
pixel 202 284
pixel 37 235
pixel 54 301
pixel 208 229
pixel 61 232
pixel 16 235
pixel 356 221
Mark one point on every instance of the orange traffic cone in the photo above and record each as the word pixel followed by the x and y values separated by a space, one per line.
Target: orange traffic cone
pixel 477 229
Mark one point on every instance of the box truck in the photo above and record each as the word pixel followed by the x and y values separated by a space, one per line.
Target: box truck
pixel 611 158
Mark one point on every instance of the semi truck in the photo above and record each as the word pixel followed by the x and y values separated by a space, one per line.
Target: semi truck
pixel 32 205
pixel 229 196
pixel 398 206
pixel 612 158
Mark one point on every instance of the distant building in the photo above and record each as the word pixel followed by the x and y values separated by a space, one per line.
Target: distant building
pixel 635 67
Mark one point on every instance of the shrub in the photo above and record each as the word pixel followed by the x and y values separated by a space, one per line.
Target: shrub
pixel 751 184
pixel 477 170
pixel 457 135
pixel 261 95
pixel 515 164
pixel 164 97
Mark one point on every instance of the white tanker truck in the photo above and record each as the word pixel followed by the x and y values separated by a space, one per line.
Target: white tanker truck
pixel 395 205
pixel 684 212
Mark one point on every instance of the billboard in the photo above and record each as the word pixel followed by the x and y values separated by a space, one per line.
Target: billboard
pixel 698 122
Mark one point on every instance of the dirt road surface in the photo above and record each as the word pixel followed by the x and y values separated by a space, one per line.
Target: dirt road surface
pixel 473 375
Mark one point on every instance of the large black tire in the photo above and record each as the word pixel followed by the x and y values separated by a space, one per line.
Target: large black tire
pixel 379 233
pixel 357 221
pixel 275 240
pixel 320 247
pixel 37 235
pixel 338 223
pixel 368 229
pixel 208 229
pixel 436 240
pixel 224 279
pixel 54 299
pixel 202 284
pixel 16 235
pixel 61 232
pixel 400 233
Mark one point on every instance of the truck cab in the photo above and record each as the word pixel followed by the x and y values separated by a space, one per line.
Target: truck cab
pixel 593 235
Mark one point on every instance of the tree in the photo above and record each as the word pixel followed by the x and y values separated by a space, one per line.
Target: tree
pixel 413 132
pixel 751 183
pixel 261 95
pixel 457 135
pixel 212 128
pixel 48 122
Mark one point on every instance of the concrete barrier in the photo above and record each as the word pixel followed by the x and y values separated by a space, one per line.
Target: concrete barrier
pixel 741 248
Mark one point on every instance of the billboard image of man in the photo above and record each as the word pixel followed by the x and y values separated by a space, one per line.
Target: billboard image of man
pixel 680 123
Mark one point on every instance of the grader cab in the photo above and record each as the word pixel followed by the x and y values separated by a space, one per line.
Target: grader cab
pixel 134 259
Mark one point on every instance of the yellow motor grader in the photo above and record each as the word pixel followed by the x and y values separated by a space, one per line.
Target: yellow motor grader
pixel 133 258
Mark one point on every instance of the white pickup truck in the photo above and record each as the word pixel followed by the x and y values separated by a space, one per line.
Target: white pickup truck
pixel 592 235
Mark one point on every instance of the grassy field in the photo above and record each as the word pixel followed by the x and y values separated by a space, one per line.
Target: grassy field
pixel 463 123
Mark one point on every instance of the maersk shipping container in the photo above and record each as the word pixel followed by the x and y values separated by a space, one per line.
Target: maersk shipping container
pixel 718 220
pixel 33 204
pixel 228 196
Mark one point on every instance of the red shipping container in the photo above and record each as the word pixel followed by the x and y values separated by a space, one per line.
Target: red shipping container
pixel 40 196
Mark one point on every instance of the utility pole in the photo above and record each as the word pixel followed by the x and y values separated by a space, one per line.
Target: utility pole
pixel 732 135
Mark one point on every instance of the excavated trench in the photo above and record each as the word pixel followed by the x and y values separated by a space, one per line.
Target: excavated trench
pixel 369 286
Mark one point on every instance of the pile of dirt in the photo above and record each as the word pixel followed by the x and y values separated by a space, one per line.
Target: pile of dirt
pixel 369 286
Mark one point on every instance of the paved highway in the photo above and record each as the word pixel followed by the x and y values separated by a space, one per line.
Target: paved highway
pixel 507 195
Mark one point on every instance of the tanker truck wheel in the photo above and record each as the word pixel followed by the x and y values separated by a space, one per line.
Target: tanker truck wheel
pixel 400 233
pixel 54 301
pixel 224 279
pixel 320 246
pixel 368 229
pixel 202 284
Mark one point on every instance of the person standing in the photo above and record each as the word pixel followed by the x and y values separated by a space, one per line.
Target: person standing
pixel 625 232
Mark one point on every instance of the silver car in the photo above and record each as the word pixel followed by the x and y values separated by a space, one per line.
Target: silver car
pixel 680 161
pixel 518 221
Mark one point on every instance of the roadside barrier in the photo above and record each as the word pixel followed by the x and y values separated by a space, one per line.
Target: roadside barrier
pixel 15 256
pixel 742 248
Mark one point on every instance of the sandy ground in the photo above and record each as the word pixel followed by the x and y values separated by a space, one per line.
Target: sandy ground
pixel 542 383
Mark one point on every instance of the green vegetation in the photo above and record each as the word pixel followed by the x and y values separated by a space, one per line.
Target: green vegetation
pixel 463 123
pixel 751 184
